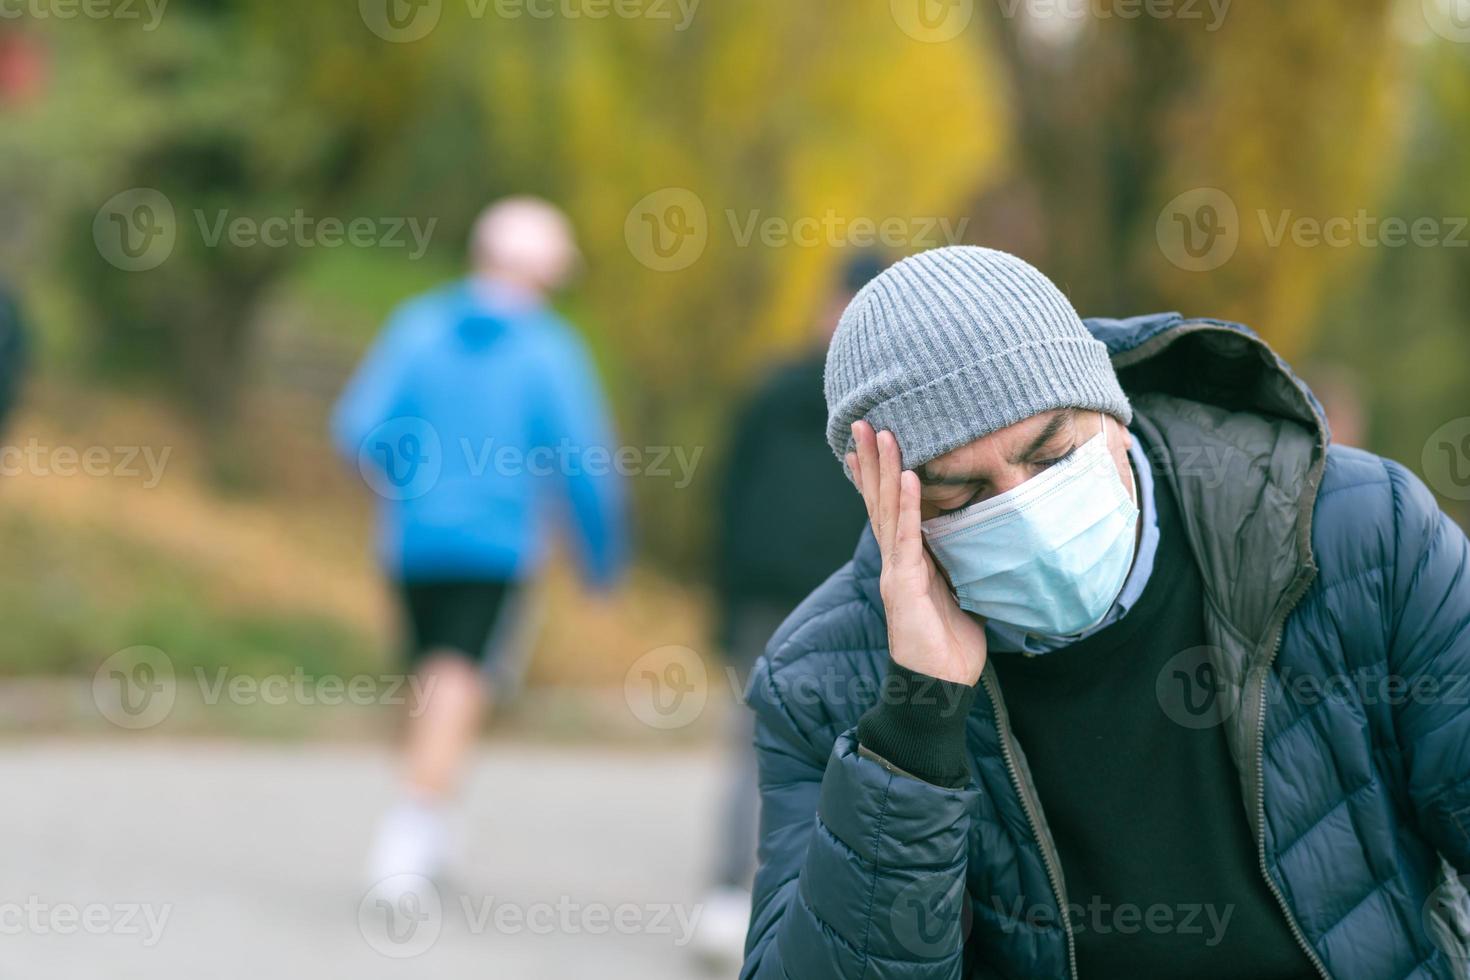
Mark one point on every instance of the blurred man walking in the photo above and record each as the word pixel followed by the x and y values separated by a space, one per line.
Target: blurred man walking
pixel 475 413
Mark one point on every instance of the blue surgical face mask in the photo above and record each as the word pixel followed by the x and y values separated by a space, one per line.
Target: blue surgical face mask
pixel 1049 556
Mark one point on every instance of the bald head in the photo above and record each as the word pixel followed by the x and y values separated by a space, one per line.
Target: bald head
pixel 524 241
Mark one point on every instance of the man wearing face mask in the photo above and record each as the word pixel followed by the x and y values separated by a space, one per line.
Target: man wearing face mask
pixel 1229 742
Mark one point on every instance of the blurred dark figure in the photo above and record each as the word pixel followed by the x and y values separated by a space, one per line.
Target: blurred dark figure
pixel 787 519
pixel 13 350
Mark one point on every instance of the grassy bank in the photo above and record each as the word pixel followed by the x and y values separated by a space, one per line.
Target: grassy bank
pixel 259 578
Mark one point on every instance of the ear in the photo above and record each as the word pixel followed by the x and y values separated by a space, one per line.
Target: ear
pixel 1125 439
pixel 1121 441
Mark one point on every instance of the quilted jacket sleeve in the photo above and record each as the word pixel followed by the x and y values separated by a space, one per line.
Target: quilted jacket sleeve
pixel 1429 649
pixel 862 868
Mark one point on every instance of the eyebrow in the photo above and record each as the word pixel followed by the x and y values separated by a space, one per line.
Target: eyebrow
pixel 1053 426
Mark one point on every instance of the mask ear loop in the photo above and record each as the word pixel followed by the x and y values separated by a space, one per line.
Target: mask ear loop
pixel 1132 477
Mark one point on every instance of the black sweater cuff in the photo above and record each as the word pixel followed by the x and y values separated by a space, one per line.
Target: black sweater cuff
pixel 918 725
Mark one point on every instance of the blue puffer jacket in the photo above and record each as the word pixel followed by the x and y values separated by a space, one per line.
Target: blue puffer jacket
pixel 1338 616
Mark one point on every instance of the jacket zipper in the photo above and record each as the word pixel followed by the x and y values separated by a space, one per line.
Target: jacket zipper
pixel 1138 354
pixel 1003 728
pixel 1260 777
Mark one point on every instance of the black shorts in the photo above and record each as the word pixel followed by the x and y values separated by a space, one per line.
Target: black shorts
pixel 462 616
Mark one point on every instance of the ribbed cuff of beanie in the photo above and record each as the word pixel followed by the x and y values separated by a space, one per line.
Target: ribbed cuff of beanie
pixel 918 726
pixel 986 395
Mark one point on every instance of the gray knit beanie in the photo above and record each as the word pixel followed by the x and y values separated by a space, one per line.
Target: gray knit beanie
pixel 951 345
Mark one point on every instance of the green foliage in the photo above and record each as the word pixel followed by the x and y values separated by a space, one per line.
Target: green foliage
pixel 1064 148
pixel 230 113
pixel 89 593
pixel 1400 323
pixel 1298 113
pixel 1285 109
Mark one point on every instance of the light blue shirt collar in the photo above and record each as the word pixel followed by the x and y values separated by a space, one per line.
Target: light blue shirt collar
pixel 1004 638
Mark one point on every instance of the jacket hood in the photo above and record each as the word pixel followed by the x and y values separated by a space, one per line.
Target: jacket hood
pixel 478 329
pixel 1211 361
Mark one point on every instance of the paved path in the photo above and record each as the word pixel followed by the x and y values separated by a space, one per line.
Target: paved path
pixel 219 860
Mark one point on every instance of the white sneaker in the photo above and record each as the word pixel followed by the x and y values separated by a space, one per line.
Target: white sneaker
pixel 412 839
pixel 719 938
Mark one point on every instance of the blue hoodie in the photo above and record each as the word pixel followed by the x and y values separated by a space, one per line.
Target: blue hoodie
pixel 474 414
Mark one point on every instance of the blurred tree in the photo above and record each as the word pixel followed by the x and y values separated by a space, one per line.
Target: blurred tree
pixel 234 110
pixel 1064 137
pixel 1402 322
pixel 1287 110
pixel 771 112
pixel 768 110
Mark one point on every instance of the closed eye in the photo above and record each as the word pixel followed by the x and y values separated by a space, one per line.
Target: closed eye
pixel 1054 460
pixel 973 498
